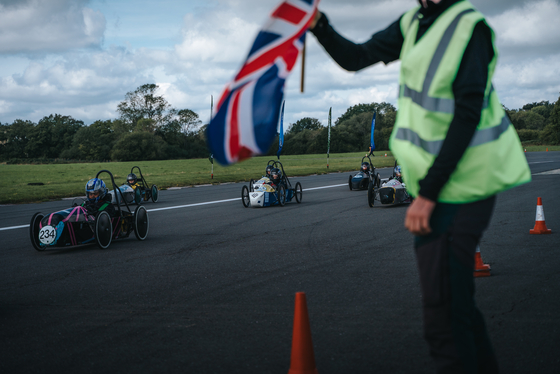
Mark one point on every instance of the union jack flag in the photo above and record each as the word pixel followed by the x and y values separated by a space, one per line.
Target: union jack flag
pixel 246 118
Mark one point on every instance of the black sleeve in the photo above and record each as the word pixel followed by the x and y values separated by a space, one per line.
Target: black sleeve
pixel 468 89
pixel 383 46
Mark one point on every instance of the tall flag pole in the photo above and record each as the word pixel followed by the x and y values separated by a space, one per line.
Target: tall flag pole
pixel 329 137
pixel 246 118
pixel 212 155
pixel 281 135
pixel 372 143
pixel 302 65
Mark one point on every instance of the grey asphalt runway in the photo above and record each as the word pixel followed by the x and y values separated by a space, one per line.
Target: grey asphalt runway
pixel 212 288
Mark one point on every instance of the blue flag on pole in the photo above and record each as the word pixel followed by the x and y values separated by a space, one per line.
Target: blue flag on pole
pixel 281 136
pixel 372 143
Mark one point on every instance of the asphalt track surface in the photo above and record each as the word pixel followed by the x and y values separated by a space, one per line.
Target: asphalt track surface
pixel 212 288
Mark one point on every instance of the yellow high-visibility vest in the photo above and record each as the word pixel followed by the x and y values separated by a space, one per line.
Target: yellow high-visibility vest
pixel 494 160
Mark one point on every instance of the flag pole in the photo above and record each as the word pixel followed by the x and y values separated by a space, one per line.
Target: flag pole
pixel 302 66
pixel 212 155
pixel 329 137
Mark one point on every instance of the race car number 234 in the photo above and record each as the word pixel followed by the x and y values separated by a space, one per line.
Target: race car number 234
pixel 47 235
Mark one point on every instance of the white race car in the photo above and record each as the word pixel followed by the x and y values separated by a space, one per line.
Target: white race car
pixel 264 193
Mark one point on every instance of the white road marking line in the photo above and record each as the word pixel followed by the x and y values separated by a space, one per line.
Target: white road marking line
pixel 540 162
pixel 13 227
pixel 190 205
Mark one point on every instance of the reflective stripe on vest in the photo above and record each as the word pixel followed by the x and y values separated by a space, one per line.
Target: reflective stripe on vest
pixel 434 104
pixel 433 147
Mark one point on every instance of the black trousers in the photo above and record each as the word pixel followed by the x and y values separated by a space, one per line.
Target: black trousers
pixel 453 326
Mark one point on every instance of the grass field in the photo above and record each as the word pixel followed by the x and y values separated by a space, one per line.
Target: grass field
pixel 68 180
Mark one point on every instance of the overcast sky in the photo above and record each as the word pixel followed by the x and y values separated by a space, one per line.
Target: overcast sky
pixel 80 57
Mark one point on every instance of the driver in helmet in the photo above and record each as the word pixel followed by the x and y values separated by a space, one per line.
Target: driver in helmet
pixel 398 175
pixel 97 198
pixel 276 176
pixel 365 168
pixel 268 171
pixel 132 180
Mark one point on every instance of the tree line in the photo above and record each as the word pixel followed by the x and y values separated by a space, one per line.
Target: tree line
pixel 149 128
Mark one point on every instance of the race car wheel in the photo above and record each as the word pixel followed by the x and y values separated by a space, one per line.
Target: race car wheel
pixel 281 195
pixel 251 188
pixel 350 182
pixel 370 195
pixel 34 231
pixel 137 196
pixel 103 230
pixel 141 223
pixel 378 178
pixel 298 192
pixel 155 193
pixel 245 196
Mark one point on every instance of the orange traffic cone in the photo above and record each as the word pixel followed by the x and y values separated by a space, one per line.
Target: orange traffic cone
pixel 303 360
pixel 385 154
pixel 547 149
pixel 480 268
pixel 540 225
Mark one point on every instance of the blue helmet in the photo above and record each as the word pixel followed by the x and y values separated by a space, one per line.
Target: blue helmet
pixel 95 185
pixel 397 171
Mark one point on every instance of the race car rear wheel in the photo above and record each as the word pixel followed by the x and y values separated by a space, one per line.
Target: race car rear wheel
pixel 370 194
pixel 137 196
pixel 155 193
pixel 103 230
pixel 298 192
pixel 350 182
pixel 251 182
pixel 281 195
pixel 245 196
pixel 141 223
pixel 34 231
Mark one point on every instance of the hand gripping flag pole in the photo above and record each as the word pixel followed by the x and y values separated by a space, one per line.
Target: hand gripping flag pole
pixel 246 118
pixel 281 133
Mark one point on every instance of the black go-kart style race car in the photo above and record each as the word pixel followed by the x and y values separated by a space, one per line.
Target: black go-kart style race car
pixel 389 191
pixel 75 225
pixel 135 190
pixel 268 191
pixel 366 175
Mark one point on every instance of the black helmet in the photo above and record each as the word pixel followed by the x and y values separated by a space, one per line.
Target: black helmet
pixel 365 166
pixel 275 174
pixel 131 179
pixel 268 170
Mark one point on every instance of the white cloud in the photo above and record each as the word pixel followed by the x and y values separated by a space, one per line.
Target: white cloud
pixel 48 26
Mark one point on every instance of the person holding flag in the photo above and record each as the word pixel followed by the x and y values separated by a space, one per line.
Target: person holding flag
pixel 457 150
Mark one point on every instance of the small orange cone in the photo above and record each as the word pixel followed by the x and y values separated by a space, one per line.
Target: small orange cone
pixel 385 154
pixel 540 225
pixel 303 359
pixel 547 149
pixel 525 149
pixel 480 268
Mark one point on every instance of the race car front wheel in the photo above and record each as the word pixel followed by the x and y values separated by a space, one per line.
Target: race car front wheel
pixel 245 196
pixel 141 223
pixel 251 182
pixel 298 192
pixel 350 182
pixel 370 195
pixel 34 231
pixel 155 193
pixel 103 230
pixel 137 196
pixel 281 195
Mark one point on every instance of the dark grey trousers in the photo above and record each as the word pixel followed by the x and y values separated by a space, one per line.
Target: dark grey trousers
pixel 453 326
